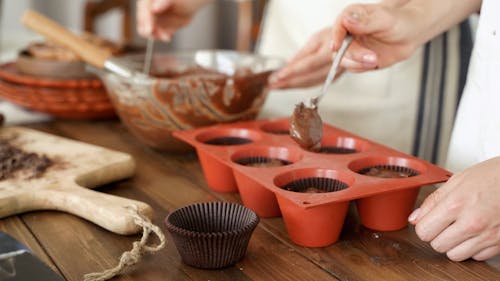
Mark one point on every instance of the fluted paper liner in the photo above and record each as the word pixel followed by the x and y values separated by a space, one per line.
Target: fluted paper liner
pixel 228 141
pixel 337 150
pixel 212 235
pixel 249 161
pixel 400 169
pixel 322 184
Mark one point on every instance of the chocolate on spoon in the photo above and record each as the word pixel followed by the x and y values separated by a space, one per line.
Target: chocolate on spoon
pixel 306 127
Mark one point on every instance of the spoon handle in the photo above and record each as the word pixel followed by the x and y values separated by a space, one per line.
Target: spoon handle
pixel 89 52
pixel 335 65
pixel 149 56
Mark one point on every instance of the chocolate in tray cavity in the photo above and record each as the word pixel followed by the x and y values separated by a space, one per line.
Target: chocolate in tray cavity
pixel 383 172
pixel 306 127
pixel 13 159
pixel 266 163
pixel 313 190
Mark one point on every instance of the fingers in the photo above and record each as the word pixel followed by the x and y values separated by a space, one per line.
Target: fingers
pixel 352 66
pixel 166 26
pixel 312 46
pixel 309 48
pixel 480 246
pixel 366 19
pixel 306 64
pixel 451 237
pixel 304 80
pixel 435 214
pixel 312 57
pixel 363 22
pixel 366 59
pixel 145 18
pixel 339 32
pixel 163 35
pixel 371 26
pixel 152 23
pixel 431 201
pixel 159 6
pixel 461 218
pixel 468 237
pixel 487 253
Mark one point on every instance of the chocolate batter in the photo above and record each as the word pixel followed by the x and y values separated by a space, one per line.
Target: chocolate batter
pixel 310 189
pixel 152 114
pixel 188 72
pixel 306 127
pixel 313 190
pixel 387 173
pixel 268 164
pixel 13 159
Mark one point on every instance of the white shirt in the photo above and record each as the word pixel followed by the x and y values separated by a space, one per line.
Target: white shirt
pixel 476 134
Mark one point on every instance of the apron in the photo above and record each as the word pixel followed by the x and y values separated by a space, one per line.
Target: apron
pixel 476 134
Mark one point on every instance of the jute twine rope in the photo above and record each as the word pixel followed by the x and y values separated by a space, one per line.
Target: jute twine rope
pixel 139 248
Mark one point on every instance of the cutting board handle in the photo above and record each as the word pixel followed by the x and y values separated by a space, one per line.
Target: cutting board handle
pixel 108 211
pixel 90 53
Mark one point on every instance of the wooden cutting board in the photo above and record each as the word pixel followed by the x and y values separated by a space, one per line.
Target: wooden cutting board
pixel 65 185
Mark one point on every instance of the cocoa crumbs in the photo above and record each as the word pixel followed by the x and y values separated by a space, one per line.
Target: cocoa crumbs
pixel 13 159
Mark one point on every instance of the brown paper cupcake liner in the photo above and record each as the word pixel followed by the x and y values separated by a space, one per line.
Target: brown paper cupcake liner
pixel 262 162
pixel 337 150
pixel 277 131
pixel 402 172
pixel 315 185
pixel 212 235
pixel 228 141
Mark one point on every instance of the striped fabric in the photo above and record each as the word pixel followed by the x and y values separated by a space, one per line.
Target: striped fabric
pixel 442 83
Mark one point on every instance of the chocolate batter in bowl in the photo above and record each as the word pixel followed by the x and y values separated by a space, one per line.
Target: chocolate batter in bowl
pixel 188 90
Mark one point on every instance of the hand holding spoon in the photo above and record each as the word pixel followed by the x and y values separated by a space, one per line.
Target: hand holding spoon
pixel 306 127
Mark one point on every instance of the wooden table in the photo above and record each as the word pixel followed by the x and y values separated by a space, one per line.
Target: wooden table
pixel 74 247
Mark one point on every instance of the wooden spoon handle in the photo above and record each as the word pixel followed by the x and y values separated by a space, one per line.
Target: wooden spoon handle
pixel 88 52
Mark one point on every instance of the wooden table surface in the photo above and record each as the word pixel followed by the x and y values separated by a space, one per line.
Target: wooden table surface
pixel 73 246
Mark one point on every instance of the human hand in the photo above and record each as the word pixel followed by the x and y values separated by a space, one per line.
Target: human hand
pixel 309 66
pixel 462 217
pixel 390 31
pixel 312 63
pixel 162 18
pixel 383 35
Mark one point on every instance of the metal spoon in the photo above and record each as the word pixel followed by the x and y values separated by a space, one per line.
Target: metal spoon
pixel 149 56
pixel 333 70
pixel 306 127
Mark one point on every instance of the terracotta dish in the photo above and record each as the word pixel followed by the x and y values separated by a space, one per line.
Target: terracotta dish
pixel 61 98
pixel 30 65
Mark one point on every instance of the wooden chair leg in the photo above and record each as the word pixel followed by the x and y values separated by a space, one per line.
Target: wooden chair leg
pixel 93 10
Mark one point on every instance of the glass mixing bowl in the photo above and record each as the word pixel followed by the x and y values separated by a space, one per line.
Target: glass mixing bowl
pixel 187 90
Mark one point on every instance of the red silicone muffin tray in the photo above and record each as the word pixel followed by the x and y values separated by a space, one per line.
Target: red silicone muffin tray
pixel 311 219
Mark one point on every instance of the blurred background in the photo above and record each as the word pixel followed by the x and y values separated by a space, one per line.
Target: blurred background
pixel 224 24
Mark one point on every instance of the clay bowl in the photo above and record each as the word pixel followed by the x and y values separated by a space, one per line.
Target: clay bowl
pixel 30 65
pixel 188 90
